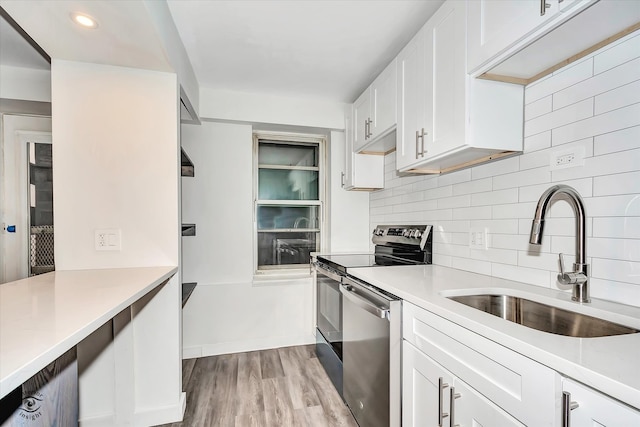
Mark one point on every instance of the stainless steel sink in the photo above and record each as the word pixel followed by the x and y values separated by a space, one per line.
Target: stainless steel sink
pixel 543 317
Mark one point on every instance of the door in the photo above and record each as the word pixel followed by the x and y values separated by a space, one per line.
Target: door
pixel 383 101
pixel 425 389
pixel 596 409
pixel 40 176
pixel 412 95
pixel 361 117
pixel 366 354
pixel 495 25
pixel 17 131
pixel 446 31
pixel 470 408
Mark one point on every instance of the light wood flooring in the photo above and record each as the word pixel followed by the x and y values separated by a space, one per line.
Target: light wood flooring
pixel 269 388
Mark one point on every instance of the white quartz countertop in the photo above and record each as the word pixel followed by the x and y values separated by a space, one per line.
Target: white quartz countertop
pixel 609 364
pixel 44 316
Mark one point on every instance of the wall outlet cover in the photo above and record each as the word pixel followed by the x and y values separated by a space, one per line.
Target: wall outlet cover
pixel 478 238
pixel 108 239
pixel 568 158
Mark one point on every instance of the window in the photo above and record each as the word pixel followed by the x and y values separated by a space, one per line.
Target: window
pixel 288 199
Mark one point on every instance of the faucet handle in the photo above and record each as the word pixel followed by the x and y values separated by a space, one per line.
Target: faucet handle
pixel 560 256
pixel 571 278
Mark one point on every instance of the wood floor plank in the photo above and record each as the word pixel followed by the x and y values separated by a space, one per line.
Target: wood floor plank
pixel 277 402
pixel 268 388
pixel 249 396
pixel 271 364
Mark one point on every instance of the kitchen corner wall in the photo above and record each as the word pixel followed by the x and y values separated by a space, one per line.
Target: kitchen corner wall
pixel 591 105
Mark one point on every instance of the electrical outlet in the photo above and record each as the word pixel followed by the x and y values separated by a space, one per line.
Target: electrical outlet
pixel 108 240
pixel 478 238
pixel 567 158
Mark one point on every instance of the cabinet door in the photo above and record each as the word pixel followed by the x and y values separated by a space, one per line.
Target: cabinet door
pixel 347 175
pixel 412 95
pixel 446 34
pixel 494 25
pixel 361 116
pixel 425 389
pixel 383 101
pixel 596 409
pixel 470 408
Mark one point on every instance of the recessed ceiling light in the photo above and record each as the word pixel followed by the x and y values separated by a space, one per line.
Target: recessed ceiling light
pixel 84 20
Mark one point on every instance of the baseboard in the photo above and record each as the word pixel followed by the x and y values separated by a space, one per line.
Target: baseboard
pixel 98 421
pixel 162 415
pixel 244 346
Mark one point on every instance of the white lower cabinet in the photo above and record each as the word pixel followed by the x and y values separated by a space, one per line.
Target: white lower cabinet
pixel 433 396
pixel 592 408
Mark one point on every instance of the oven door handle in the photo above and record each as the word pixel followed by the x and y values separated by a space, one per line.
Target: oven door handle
pixel 329 274
pixel 363 303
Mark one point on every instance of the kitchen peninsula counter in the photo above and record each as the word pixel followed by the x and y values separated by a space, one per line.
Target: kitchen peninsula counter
pixel 42 317
pixel 608 364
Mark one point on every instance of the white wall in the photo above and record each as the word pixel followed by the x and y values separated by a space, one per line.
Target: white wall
pixel 594 104
pixel 348 210
pixel 228 311
pixel 25 83
pixel 116 157
pixel 262 108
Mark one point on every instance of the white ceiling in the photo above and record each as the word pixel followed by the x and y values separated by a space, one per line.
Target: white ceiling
pixel 16 51
pixel 329 49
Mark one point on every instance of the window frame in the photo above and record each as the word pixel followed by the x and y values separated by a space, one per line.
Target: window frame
pixel 292 139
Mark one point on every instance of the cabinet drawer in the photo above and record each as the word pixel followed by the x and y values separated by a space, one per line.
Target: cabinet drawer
pixel 524 388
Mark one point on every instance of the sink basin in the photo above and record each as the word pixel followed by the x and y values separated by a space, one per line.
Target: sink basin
pixel 543 317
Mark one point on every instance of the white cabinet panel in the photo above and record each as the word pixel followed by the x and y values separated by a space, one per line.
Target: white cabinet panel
pixel 361 117
pixel 383 101
pixel 361 171
pixel 494 25
pixel 596 409
pixel 470 408
pixel 412 99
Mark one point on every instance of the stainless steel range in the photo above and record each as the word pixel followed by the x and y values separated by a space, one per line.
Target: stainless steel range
pixel 359 326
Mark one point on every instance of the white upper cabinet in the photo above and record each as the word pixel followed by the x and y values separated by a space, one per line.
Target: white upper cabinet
pixel 375 112
pixel 495 24
pixel 412 102
pixel 591 408
pixel 361 171
pixel 446 120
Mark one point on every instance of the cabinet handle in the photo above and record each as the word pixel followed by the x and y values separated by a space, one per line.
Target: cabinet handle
pixel 543 7
pixel 369 133
pixel 567 407
pixel 423 151
pixel 366 129
pixel 342 179
pixel 452 397
pixel 441 386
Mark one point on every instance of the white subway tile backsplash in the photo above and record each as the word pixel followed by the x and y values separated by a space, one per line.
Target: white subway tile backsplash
pixel 621 183
pixel 624 161
pixel 509 195
pixel 597 125
pixel 625 139
pixel 620 249
pixel 500 167
pixel 538 141
pixel 569 76
pixel 569 114
pixel 623 205
pixel 475 186
pixel 531 276
pixel 617 227
pixel 612 56
pixel 454 202
pixel 480 212
pixel 522 178
pixel 616 270
pixel 538 108
pixel 475 266
pixel 598 111
pixel 619 97
pixel 601 83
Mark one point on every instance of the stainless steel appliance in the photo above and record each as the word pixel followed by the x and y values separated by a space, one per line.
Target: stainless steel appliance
pixel 359 326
